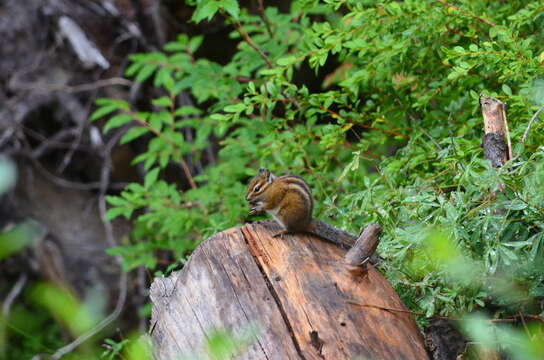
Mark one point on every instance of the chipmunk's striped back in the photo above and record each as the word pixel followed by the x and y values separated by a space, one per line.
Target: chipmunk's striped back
pixel 301 187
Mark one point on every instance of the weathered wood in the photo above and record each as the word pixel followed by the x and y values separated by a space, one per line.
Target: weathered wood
pixel 298 291
pixel 220 287
pixel 496 142
pixel 365 246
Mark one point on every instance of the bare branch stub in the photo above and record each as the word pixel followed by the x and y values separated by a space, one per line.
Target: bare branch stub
pixel 496 141
pixel 365 246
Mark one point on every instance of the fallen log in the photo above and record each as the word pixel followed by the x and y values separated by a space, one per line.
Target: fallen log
pixel 304 299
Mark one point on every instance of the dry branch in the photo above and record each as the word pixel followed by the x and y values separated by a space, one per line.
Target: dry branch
pixel 496 142
pixel 365 246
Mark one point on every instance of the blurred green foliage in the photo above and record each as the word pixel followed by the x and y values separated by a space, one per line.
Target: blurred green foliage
pixel 392 135
pixel 19 237
pixel 218 345
pixel 518 344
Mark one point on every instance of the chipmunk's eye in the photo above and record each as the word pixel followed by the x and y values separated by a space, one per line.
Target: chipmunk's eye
pixel 256 188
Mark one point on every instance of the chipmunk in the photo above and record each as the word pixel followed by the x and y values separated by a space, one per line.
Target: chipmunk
pixel 289 200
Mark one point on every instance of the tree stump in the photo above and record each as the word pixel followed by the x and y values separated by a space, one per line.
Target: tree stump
pixel 305 301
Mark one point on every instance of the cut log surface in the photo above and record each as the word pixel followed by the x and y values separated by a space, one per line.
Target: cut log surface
pixel 300 295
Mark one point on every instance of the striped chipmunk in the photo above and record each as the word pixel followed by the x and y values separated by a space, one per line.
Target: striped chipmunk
pixel 289 200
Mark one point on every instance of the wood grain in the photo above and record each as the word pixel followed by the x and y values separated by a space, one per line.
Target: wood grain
pixel 298 292
pixel 221 288
pixel 317 292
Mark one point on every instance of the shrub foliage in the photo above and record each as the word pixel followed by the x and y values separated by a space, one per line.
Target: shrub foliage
pixel 392 135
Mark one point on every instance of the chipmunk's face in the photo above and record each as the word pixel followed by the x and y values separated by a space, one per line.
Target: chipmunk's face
pixel 258 185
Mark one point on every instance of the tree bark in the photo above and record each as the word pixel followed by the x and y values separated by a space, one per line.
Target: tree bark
pixel 304 300
pixel 496 142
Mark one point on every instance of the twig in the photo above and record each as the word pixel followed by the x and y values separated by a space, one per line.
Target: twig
pixel 519 316
pixel 535 116
pixel 264 19
pixel 79 114
pixel 72 184
pixel 510 319
pixel 58 180
pixel 182 161
pixel 527 332
pixel 48 143
pixel 453 145
pixel 431 138
pixel 104 180
pixel 156 18
pixel 353 302
pixel 12 295
pixel 7 135
pixel 187 172
pixel 118 308
pixel 184 99
pixel 445 3
pixel 250 42
pixel 76 88
pixel 347 120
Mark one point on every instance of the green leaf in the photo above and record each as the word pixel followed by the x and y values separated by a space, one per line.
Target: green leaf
pixel 459 49
pixel 205 10
pixel 231 7
pixel 156 121
pixel 117 121
pixel 133 133
pixel 164 101
pixel 220 117
pixel 174 46
pixel 235 108
pixel 493 31
pixel 187 110
pixel 537 241
pixel 115 212
pixel 506 89
pixel 287 60
pixel 115 200
pixel 273 71
pixel 102 111
pixel 164 77
pixel 195 43
pixel 145 72
pixel 133 68
pixel 19 237
pixel 515 205
pixel 151 178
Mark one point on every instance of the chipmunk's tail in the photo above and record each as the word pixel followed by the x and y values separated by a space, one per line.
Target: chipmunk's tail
pixel 331 234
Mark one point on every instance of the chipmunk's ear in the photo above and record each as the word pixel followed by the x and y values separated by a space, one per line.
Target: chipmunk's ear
pixel 267 174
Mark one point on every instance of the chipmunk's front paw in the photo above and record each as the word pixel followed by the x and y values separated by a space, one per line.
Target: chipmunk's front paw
pixel 255 211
